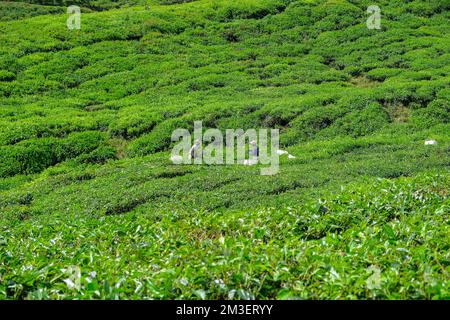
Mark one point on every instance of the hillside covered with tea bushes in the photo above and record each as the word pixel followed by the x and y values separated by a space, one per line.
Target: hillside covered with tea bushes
pixel 91 207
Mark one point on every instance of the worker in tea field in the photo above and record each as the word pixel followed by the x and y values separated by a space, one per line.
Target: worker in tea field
pixel 255 150
pixel 194 152
pixel 254 154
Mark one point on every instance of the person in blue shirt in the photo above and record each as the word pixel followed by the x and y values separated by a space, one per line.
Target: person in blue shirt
pixel 255 150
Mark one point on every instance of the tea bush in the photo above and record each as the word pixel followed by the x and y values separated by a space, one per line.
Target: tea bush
pixel 34 155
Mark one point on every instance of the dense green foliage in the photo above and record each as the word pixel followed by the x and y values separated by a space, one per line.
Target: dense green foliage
pixel 399 228
pixel 86 118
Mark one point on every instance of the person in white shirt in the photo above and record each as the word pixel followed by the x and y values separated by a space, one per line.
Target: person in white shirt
pixel 194 152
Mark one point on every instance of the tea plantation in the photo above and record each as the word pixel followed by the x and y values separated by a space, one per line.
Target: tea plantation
pixel 91 207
